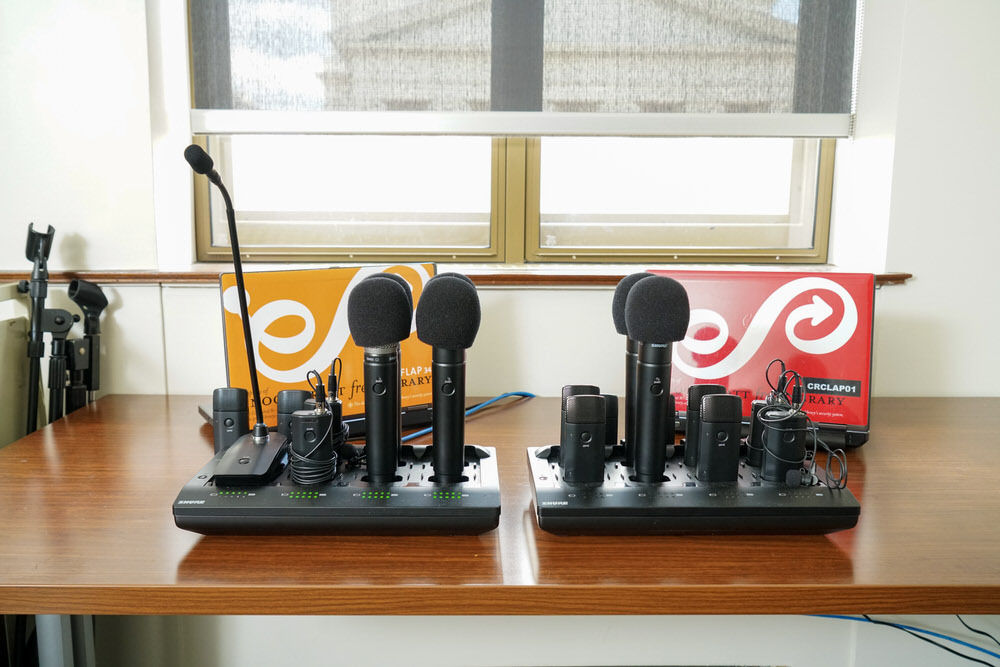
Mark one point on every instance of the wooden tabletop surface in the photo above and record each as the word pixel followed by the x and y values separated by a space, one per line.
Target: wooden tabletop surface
pixel 86 527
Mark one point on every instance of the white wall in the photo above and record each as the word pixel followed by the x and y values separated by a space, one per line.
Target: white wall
pixel 74 117
pixel 937 335
pixel 534 640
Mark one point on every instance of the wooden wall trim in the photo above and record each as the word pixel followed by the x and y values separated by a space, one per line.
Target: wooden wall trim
pixel 485 279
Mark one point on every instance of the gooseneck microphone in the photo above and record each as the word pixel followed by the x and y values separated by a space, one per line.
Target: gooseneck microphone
pixel 656 315
pixel 255 458
pixel 631 360
pixel 448 317
pixel 203 164
pixel 379 315
pixel 401 281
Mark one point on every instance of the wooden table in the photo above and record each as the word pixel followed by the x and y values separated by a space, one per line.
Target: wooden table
pixel 86 527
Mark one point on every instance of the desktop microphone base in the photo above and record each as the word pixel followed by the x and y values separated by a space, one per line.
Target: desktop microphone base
pixel 681 504
pixel 348 504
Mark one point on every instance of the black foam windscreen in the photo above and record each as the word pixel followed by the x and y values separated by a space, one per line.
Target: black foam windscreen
pixel 721 409
pixel 378 313
pixel 657 311
pixel 400 280
pixel 448 313
pixel 453 274
pixel 198 159
pixel 621 295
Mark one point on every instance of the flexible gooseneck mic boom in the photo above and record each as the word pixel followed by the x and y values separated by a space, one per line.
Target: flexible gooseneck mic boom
pixel 203 164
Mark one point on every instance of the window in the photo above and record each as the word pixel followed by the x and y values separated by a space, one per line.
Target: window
pixel 409 129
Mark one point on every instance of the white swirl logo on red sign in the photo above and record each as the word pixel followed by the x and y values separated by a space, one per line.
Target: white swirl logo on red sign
pixel 763 321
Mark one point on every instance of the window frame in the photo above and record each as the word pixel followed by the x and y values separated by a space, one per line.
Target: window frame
pixel 206 251
pixel 515 230
pixel 817 254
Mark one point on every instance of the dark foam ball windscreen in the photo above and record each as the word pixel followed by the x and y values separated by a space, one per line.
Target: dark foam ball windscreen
pixel 657 310
pixel 452 274
pixel 398 279
pixel 198 159
pixel 621 294
pixel 378 313
pixel 448 313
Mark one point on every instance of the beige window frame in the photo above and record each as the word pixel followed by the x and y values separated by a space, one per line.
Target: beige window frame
pixel 299 249
pixel 515 222
pixel 806 203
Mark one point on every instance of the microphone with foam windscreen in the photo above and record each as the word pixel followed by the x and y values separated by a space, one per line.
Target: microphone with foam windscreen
pixel 448 318
pixel 401 281
pixel 656 315
pixel 618 315
pixel 379 315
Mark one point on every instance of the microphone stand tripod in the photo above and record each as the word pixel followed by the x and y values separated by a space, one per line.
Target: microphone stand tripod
pixel 84 356
pixel 44 320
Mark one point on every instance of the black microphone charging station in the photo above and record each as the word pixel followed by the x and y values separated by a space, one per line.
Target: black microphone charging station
pixel 305 478
pixel 681 504
pixel 714 483
pixel 348 504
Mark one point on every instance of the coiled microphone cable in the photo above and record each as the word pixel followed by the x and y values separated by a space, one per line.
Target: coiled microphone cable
pixel 306 469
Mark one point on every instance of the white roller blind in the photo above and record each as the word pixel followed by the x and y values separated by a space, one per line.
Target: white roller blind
pixel 524 67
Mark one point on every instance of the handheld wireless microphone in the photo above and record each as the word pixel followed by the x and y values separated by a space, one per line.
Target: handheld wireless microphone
pixel 448 318
pixel 696 393
pixel 379 316
pixel 719 440
pixel 656 315
pixel 582 444
pixel 631 360
pixel 401 281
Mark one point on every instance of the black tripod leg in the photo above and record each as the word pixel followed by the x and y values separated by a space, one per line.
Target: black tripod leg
pixel 34 374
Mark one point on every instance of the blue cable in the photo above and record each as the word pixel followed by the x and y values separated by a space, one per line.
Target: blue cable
pixel 472 410
pixel 913 629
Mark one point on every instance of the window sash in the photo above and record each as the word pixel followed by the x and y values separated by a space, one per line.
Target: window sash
pixel 810 204
pixel 255 232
